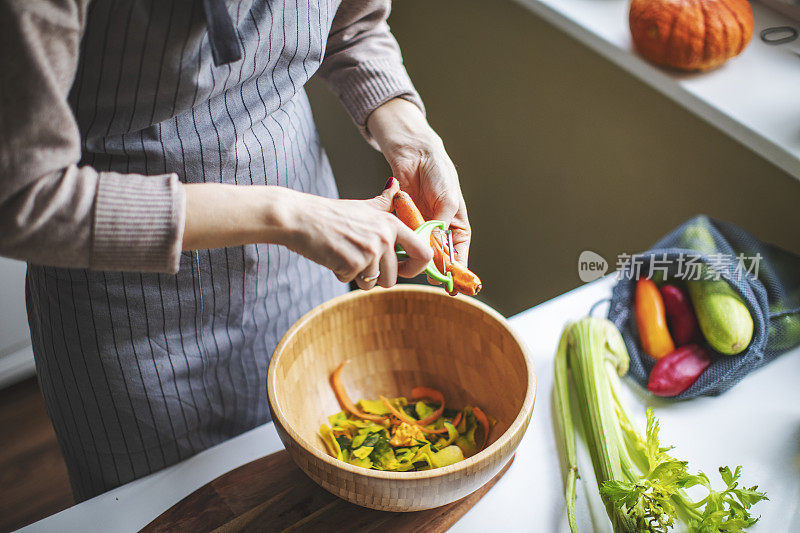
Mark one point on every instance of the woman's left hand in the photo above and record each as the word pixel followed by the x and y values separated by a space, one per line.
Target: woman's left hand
pixel 421 165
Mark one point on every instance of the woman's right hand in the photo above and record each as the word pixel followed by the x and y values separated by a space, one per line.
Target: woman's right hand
pixel 355 238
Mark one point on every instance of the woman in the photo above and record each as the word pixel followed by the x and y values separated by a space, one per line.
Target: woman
pixel 158 163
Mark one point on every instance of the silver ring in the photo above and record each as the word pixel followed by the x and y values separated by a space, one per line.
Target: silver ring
pixel 370 279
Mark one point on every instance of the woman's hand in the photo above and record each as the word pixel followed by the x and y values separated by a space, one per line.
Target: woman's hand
pixel 355 238
pixel 418 159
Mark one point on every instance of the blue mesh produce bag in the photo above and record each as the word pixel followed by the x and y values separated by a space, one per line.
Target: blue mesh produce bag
pixel 766 277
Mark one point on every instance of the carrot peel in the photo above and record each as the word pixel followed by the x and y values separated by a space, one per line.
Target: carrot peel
pixel 407 419
pixel 345 401
pixel 433 394
pixel 483 420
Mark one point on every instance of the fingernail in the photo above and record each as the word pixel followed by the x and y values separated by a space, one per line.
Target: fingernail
pixel 388 183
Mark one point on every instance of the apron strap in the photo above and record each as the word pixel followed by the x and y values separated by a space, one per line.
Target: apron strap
pixel 221 33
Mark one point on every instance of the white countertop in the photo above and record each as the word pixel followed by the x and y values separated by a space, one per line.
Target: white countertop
pixel 756 424
pixel 754 98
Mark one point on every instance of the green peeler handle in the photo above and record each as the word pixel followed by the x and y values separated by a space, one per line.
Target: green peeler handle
pixel 424 230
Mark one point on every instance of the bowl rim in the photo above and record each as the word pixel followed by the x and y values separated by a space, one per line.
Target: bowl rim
pixel 521 420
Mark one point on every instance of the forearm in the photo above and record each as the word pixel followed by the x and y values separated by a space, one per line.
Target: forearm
pixel 350 237
pixel 421 164
pixel 399 123
pixel 363 64
pixel 220 215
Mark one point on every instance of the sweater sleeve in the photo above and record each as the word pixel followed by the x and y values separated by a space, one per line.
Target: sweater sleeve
pixel 53 212
pixel 362 63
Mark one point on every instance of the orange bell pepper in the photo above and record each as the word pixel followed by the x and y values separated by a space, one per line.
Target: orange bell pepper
pixel 651 320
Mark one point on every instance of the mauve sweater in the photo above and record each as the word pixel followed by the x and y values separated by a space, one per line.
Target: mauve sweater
pixel 53 212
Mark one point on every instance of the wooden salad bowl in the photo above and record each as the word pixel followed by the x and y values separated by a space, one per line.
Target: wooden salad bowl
pixel 395 340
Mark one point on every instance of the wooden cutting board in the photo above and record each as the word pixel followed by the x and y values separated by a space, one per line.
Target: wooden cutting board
pixel 273 494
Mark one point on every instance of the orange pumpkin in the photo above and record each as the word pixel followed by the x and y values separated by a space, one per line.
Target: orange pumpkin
pixel 690 34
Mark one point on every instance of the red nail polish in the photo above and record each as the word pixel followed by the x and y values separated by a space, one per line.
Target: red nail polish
pixel 388 183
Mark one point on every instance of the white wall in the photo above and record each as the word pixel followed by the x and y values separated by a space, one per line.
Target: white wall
pixel 16 358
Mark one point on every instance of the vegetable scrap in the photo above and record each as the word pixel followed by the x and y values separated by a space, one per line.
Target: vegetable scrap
pixel 399 435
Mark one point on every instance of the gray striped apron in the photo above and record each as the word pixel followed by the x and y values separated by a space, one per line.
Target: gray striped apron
pixel 140 371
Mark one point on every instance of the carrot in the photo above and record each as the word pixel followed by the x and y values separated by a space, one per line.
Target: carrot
pixel 344 399
pixel 457 419
pixel 407 210
pixel 407 419
pixel 464 280
pixel 480 416
pixel 433 394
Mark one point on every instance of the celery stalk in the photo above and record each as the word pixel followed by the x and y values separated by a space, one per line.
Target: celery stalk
pixel 567 433
pixel 641 486
pixel 588 349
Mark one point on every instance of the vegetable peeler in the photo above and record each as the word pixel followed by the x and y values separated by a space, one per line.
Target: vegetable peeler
pixel 425 230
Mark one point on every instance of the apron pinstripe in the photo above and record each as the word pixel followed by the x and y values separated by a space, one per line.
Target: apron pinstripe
pixel 138 370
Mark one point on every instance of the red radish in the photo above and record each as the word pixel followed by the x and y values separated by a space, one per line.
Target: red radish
pixel 678 370
pixel 681 319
